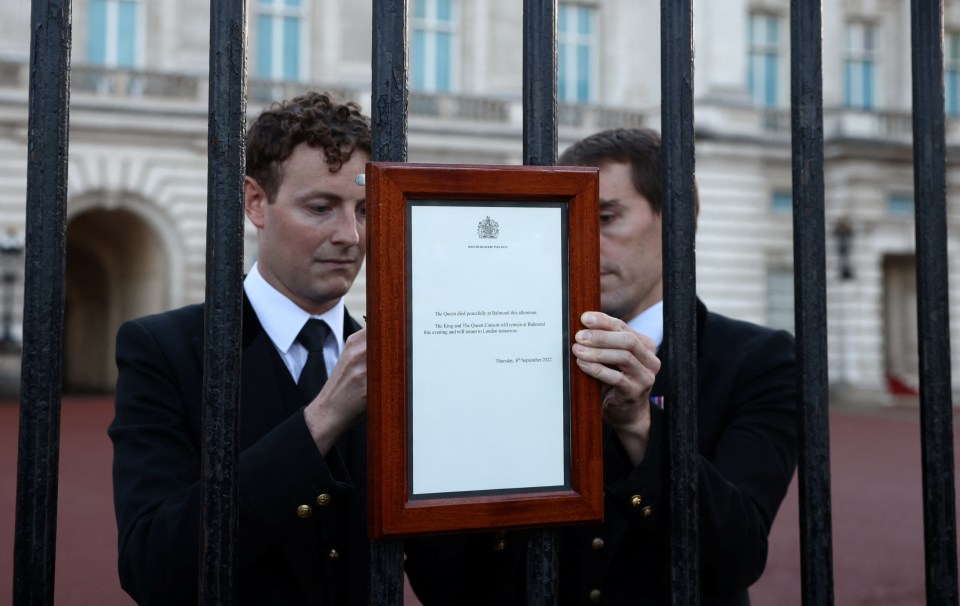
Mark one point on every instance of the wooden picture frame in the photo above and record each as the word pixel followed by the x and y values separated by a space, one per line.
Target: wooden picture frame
pixel 469 427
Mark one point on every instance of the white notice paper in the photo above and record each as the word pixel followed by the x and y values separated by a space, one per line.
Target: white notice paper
pixel 487 347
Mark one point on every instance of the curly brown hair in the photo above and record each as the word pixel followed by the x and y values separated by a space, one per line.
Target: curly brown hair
pixel 320 120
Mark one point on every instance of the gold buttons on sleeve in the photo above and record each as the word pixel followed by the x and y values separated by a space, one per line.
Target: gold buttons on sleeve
pixel 595 595
pixel 333 555
pixel 499 545
pixel 304 512
pixel 646 511
pixel 635 500
pixel 597 544
pixel 324 500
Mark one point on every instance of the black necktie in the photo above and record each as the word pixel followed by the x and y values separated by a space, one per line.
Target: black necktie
pixel 314 373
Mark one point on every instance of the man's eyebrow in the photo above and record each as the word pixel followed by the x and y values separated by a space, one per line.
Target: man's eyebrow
pixel 609 202
pixel 312 194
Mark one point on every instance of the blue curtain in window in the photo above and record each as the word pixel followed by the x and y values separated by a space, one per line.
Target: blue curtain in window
pixel 445 10
pixel 444 48
pixel 763 77
pixel 291 48
pixel 562 59
pixel 575 53
pixel 97 32
pixel 126 34
pixel 418 60
pixel 264 46
pixel 432 46
pixel 951 74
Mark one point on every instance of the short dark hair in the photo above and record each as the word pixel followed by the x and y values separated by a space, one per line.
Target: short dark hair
pixel 318 119
pixel 640 147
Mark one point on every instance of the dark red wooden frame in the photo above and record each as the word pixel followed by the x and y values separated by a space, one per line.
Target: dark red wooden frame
pixel 391 513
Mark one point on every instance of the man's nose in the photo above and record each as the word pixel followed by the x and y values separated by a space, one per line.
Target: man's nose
pixel 345 231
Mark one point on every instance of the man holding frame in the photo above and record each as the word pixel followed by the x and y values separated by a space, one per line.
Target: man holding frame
pixel 746 424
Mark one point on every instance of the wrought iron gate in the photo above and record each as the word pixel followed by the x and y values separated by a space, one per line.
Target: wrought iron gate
pixel 35 534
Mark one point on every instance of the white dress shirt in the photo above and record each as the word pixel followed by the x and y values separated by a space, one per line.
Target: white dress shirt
pixel 650 323
pixel 282 320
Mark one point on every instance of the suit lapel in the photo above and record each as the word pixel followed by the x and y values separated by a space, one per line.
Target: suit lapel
pixel 350 325
pixel 268 394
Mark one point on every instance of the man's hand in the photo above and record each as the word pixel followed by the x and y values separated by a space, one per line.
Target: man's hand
pixel 626 363
pixel 343 399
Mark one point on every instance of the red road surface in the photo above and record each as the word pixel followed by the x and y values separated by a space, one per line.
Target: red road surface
pixel 877 512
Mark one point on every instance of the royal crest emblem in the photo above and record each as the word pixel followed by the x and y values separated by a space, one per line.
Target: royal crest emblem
pixel 488 228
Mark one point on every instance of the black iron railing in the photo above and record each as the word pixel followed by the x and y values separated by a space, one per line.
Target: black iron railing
pixel 809 246
pixel 679 295
pixel 930 195
pixel 220 456
pixel 35 534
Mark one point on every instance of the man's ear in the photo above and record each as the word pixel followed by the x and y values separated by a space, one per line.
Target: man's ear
pixel 254 199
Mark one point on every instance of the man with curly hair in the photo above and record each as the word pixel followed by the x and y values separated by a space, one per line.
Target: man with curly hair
pixel 302 461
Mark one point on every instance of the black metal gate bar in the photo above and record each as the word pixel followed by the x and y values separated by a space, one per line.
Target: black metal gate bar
pixel 543 580
pixel 388 113
pixel 540 149
pixel 810 309
pixel 388 107
pixel 679 290
pixel 224 304
pixel 386 572
pixel 929 157
pixel 539 82
pixel 38 454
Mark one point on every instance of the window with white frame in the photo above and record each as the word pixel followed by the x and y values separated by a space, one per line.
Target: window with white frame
pixel 279 43
pixel 951 73
pixel 781 202
pixel 900 205
pixel 780 298
pixel 576 53
pixel 434 46
pixel 112 32
pixel 766 53
pixel 860 67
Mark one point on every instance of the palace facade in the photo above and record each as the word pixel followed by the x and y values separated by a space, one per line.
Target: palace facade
pixel 138 159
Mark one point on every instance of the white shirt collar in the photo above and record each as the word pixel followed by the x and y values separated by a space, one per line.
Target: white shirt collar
pixel 650 323
pixel 281 318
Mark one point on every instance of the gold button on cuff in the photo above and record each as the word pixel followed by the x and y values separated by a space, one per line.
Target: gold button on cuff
pixel 499 545
pixel 635 500
pixel 595 595
pixel 334 554
pixel 324 500
pixel 597 544
pixel 646 511
pixel 304 512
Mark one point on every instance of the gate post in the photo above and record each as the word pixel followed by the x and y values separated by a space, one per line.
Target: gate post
pixel 540 149
pixel 809 241
pixel 679 296
pixel 35 535
pixel 220 457
pixel 936 411
pixel 388 113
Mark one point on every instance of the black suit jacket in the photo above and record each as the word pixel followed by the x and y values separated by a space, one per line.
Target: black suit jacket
pixel 747 443
pixel 285 556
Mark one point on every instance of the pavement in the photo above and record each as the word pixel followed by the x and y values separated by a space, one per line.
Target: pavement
pixel 876 489
pixel 877 514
